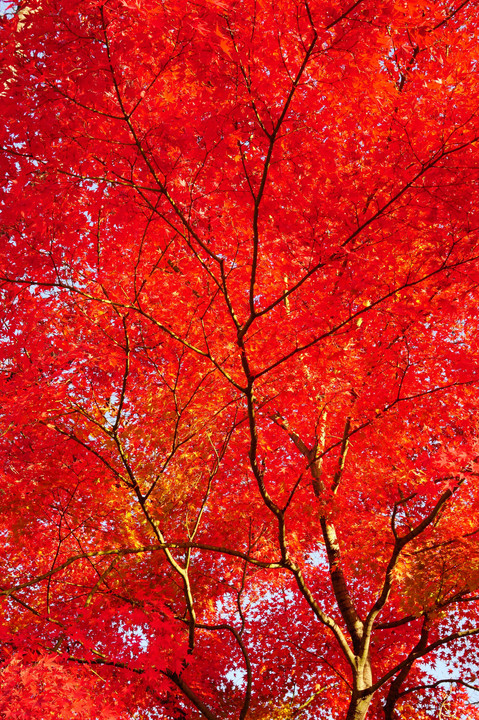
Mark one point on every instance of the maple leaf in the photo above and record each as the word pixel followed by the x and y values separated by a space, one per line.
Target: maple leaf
pixel 238 358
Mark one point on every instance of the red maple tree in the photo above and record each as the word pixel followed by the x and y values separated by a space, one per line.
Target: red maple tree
pixel 239 359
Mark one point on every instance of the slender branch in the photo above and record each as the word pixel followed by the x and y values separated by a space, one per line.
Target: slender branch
pixel 308 702
pixel 367 308
pixel 269 565
pixel 320 614
pixel 342 456
pixel 428 649
pixel 191 695
pixel 399 545
pixel 338 580
pixel 262 185
pixel 126 307
pixel 452 14
pixel 187 691
pixel 428 686
pixel 125 376
pixel 249 674
pixel 393 694
pixel 344 15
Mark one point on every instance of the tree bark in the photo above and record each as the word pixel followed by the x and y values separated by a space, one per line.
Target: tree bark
pixel 358 707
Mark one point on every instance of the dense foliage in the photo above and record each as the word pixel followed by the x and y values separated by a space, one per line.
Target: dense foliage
pixel 239 359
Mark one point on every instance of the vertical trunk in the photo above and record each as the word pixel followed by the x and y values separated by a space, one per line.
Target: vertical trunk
pixel 358 707
pixel 359 703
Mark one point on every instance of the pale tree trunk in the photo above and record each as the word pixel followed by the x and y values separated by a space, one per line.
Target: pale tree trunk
pixel 358 707
pixel 359 703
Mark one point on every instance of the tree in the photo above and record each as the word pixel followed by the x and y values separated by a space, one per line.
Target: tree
pixel 239 359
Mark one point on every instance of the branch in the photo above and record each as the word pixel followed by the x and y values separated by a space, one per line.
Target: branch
pixel 321 616
pixel 344 15
pixel 427 686
pixel 314 460
pixel 451 15
pixel 353 316
pixel 262 185
pixel 270 565
pixel 338 581
pixel 190 694
pixel 393 694
pixel 415 656
pixel 125 376
pixel 174 677
pixel 308 702
pixel 399 545
pixel 239 640
pixel 342 456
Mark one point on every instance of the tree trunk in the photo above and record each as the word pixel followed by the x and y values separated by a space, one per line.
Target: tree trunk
pixel 363 679
pixel 358 707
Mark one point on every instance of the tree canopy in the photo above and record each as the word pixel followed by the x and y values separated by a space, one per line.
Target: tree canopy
pixel 239 352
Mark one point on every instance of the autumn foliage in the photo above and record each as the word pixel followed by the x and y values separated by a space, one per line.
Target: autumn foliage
pixel 239 451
